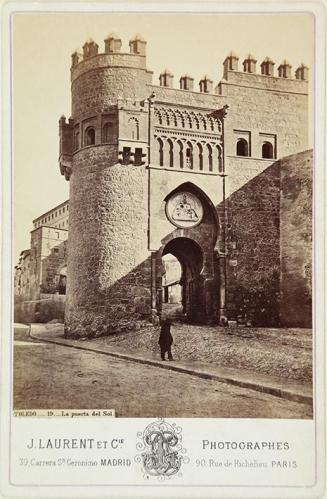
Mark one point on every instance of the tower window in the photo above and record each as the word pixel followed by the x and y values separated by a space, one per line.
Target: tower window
pixel 134 128
pixel 189 156
pixel 210 164
pixel 126 155
pixel 107 132
pixel 242 148
pixel 200 152
pixel 181 156
pixel 76 141
pixel 161 157
pixel 89 136
pixel 220 160
pixel 138 156
pixel 171 153
pixel 267 150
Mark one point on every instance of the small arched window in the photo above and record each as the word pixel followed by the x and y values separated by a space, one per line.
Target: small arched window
pixel 161 157
pixel 267 150
pixel 220 160
pixel 171 153
pixel 189 156
pixel 242 148
pixel 134 128
pixel 200 152
pixel 107 132
pixel 181 158
pixel 209 150
pixel 89 136
pixel 76 140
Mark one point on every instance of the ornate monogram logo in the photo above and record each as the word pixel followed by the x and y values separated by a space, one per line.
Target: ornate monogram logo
pixel 184 210
pixel 162 454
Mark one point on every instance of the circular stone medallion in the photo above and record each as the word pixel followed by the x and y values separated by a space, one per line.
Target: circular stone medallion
pixel 184 210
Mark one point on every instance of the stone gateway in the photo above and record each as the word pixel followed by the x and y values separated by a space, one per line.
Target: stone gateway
pixel 197 174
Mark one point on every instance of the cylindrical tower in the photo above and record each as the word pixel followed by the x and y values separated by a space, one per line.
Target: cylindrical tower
pixel 103 151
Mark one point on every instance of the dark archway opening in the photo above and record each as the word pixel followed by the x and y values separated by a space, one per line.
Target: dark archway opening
pixel 62 281
pixel 242 148
pixel 90 136
pixel 267 150
pixel 182 283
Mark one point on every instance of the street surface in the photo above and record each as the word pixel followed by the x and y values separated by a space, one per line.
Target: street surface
pixel 57 376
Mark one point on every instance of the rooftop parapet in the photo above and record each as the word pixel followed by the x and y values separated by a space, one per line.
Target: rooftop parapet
pixel 166 79
pixel 302 72
pixel 90 48
pixel 267 67
pixel 231 62
pixel 186 82
pixel 137 45
pixel 249 64
pixel 206 85
pixel 112 44
pixel 76 58
pixel 112 56
pixel 285 69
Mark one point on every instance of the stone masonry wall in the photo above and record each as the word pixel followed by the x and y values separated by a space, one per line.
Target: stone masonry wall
pixel 270 246
pixel 51 266
pixel 49 307
pixel 35 269
pixel 108 266
pixel 95 91
pixel 187 97
pixel 253 267
pixel 296 240
pixel 258 106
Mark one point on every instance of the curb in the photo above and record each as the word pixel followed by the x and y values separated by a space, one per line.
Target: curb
pixel 271 390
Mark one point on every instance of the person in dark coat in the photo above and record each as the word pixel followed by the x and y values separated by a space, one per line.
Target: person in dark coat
pixel 165 340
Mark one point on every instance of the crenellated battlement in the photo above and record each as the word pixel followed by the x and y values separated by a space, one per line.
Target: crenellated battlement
pixel 267 67
pixel 231 66
pixel 112 45
pixel 90 59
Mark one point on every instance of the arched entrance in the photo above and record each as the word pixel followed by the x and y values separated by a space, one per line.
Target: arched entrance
pixel 61 281
pixel 194 243
pixel 190 257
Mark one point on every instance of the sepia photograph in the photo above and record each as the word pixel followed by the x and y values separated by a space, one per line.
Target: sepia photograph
pixel 163 213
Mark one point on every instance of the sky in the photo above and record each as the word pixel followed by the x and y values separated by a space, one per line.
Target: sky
pixel 193 43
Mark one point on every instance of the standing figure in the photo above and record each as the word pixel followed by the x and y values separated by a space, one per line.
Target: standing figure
pixel 165 340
